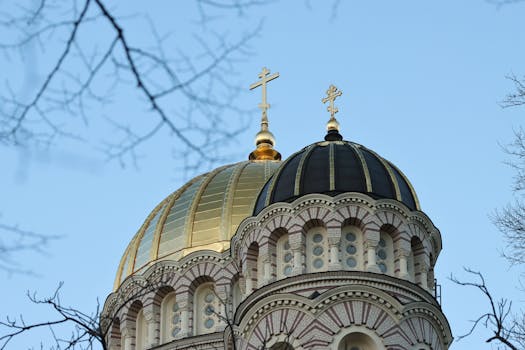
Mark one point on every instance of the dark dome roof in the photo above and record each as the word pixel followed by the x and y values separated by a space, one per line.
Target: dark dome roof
pixel 334 167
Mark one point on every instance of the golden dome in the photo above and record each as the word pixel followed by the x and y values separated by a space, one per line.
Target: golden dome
pixel 202 215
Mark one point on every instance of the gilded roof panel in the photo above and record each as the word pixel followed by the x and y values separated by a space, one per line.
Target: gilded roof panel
pixel 203 214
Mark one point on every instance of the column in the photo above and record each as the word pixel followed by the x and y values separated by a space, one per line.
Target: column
pixel 185 310
pixel 402 257
pixel 334 263
pixel 128 336
pixel 423 282
pixel 296 240
pixel 152 323
pixel 297 261
pixel 371 245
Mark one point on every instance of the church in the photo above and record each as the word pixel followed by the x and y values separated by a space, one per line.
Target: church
pixel 327 249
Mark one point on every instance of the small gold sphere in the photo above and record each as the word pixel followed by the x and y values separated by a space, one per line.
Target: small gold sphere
pixel 264 136
pixel 332 124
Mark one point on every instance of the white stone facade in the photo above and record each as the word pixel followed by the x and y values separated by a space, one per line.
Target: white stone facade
pixel 345 273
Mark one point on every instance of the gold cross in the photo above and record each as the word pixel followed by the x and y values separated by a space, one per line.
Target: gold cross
pixel 265 78
pixel 331 94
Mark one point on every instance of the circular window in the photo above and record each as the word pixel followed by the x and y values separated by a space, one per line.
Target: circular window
pixel 382 243
pixel 175 331
pixel 175 319
pixel 381 253
pixel 209 297
pixel 351 262
pixel 286 245
pixel 317 238
pixel 318 263
pixel 175 307
pixel 209 323
pixel 288 257
pixel 382 267
pixel 209 310
pixel 318 250
pixel 350 237
pixel 287 270
pixel 351 249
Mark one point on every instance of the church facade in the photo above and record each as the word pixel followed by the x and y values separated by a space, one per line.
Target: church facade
pixel 328 249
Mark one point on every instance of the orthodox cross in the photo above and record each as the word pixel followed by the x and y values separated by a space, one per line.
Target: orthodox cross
pixel 331 94
pixel 265 78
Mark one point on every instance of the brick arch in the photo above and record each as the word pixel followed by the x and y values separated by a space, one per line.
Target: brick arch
pixel 280 220
pixel 312 215
pixel 161 293
pixel 269 239
pixel 197 270
pixel 416 229
pixel 115 335
pixel 253 237
pixel 301 328
pixel 360 312
pixel 353 212
pixel 418 328
pixel 393 223
pixel 129 317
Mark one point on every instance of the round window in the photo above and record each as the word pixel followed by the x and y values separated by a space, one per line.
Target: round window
pixel 350 237
pixel 351 262
pixel 287 270
pixel 175 331
pixel 209 297
pixel 209 323
pixel 286 245
pixel 318 250
pixel 209 310
pixel 382 267
pixel 175 319
pixel 351 249
pixel 318 263
pixel 288 257
pixel 382 243
pixel 317 238
pixel 381 254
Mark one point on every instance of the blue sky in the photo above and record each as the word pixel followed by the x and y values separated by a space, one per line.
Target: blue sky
pixel 421 83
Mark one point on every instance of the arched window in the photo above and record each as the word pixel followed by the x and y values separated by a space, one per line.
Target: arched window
pixel 418 253
pixel 357 341
pixel 254 267
pixel 385 253
pixel 284 257
pixel 352 248
pixel 207 308
pixel 141 331
pixel 236 294
pixel 115 339
pixel 282 346
pixel 411 267
pixel 170 318
pixel 316 250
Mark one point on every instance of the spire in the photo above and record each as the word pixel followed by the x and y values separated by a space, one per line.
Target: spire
pixel 333 125
pixel 264 140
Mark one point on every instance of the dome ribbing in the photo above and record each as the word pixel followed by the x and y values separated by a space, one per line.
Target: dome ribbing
pixel 334 167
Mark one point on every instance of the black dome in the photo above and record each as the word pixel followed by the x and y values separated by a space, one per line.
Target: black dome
pixel 334 167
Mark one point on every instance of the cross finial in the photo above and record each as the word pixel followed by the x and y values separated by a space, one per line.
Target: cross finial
pixel 265 78
pixel 331 94
pixel 333 125
pixel 264 139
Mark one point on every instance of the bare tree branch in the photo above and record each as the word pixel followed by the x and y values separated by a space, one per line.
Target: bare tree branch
pixel 517 98
pixel 14 241
pixel 504 331
pixel 78 80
